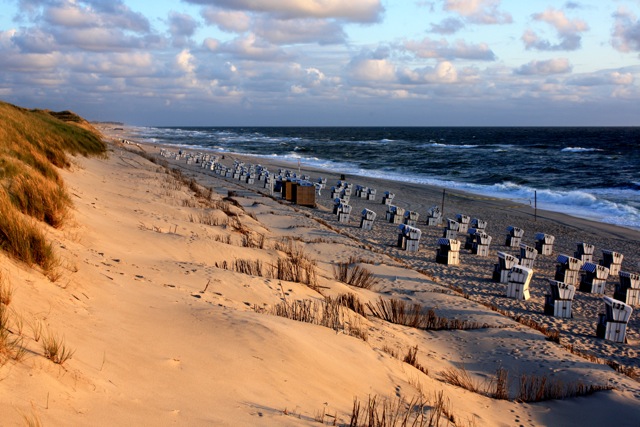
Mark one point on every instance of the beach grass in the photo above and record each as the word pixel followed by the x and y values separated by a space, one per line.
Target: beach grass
pixel 415 316
pixel 33 143
pixel 398 412
pixel 352 274
pixel 55 349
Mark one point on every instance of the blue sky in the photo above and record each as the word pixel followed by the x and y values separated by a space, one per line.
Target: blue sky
pixel 326 62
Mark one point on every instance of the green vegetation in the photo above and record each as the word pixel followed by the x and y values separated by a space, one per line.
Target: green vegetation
pixel 33 143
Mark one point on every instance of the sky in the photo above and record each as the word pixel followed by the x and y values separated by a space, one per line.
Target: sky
pixel 326 62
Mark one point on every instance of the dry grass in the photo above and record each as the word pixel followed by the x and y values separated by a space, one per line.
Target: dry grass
pixel 6 291
pixel 297 266
pixel 328 313
pixel 352 302
pixel 398 412
pixel 247 266
pixel 354 275
pixel 55 349
pixel 40 198
pixel 460 377
pixel 32 145
pixel 412 359
pixel 22 238
pixel 11 345
pixel 536 388
pixel 415 316
pixel 208 218
pixel 532 388
pixel 253 241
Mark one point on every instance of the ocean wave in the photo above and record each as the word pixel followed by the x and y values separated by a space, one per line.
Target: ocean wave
pixel 441 145
pixel 579 150
pixel 593 205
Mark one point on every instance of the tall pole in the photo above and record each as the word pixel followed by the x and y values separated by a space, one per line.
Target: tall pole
pixel 442 209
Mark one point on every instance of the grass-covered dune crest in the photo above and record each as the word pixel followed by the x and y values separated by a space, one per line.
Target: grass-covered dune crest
pixel 33 143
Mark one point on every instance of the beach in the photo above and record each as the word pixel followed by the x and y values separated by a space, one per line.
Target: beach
pixel 473 275
pixel 168 298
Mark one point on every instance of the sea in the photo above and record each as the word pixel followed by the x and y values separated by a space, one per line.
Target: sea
pixel 587 172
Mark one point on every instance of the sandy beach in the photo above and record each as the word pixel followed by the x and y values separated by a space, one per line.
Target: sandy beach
pixel 168 300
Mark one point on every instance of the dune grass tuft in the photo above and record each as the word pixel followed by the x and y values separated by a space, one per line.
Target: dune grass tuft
pixel 22 238
pixel 6 291
pixel 354 275
pixel 329 313
pixel 55 349
pixel 398 412
pixel 415 316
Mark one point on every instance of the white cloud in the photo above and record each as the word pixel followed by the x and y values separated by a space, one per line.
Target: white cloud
pixel 227 20
pixel 352 10
pixel 31 62
pixel 551 66
pixel 626 31
pixel 609 78
pixel 251 47
pixel 98 39
pixel 34 40
pixel 428 48
pixel 71 14
pixel 294 31
pixel 211 44
pixel 479 11
pixel 443 72
pixel 373 70
pixel 568 31
pixel 447 26
pixel 181 24
pixel 186 61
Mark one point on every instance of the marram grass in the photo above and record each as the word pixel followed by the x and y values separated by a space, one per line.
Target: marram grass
pixel 33 144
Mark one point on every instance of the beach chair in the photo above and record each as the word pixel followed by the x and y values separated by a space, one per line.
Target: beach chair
pixel 387 198
pixel 628 289
pixel 371 194
pixel 612 260
pixel 518 281
pixel 558 301
pixel 544 243
pixel 527 255
pixel 594 278
pixel 448 251
pixel 612 324
pixel 463 222
pixel 501 270
pixel 514 236
pixel 471 238
pixel 344 212
pixel 336 192
pixel 366 222
pixel 409 237
pixel 398 215
pixel 434 216
pixel 322 183
pixel 478 224
pixel 568 269
pixel 584 252
pixel 451 230
pixel 411 218
pixel 390 213
pixel 481 245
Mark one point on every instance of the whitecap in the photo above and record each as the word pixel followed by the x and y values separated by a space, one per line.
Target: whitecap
pixel 579 149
